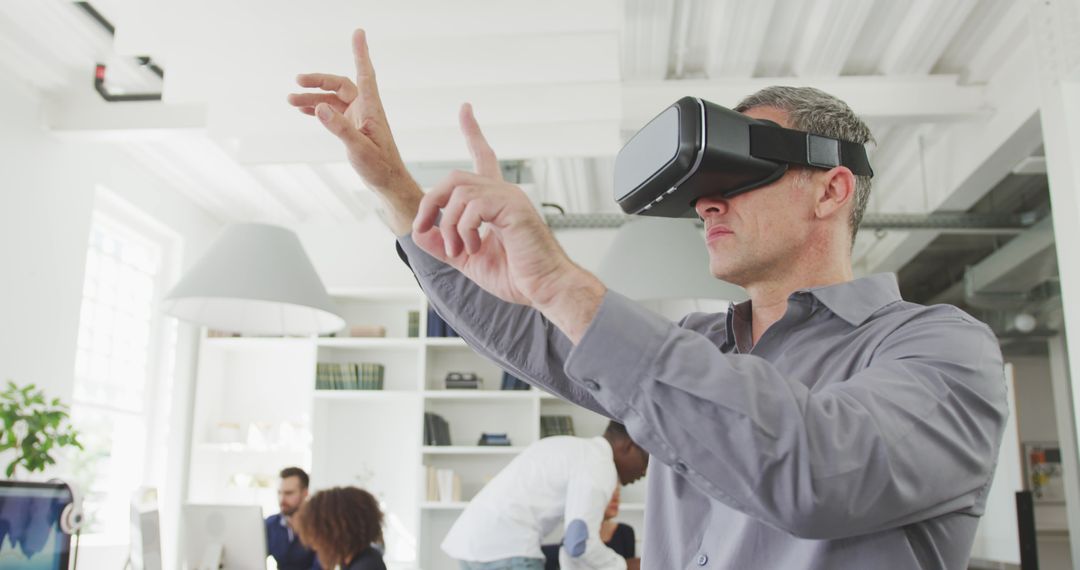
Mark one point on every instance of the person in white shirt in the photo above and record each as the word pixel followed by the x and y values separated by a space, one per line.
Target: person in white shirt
pixel 557 480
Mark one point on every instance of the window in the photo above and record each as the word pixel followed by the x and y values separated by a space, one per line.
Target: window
pixel 123 363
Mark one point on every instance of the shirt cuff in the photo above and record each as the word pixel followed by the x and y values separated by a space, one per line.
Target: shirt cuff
pixel 420 261
pixel 615 355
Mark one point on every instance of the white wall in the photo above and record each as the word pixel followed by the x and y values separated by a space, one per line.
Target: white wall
pixel 47 197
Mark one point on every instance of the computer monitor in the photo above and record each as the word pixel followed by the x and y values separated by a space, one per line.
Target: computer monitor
pixel 233 534
pixel 145 547
pixel 30 534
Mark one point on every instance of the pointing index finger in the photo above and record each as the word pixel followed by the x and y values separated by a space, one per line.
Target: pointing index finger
pixel 484 159
pixel 365 76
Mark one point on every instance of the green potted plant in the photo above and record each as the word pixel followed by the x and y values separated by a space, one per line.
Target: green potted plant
pixel 33 428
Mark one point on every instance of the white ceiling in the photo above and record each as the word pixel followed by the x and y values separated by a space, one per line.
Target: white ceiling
pixel 557 84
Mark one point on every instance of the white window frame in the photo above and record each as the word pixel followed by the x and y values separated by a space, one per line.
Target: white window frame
pixel 161 348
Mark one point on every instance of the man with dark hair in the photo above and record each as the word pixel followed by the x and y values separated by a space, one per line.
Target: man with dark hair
pixel 281 540
pixel 559 479
pixel 824 423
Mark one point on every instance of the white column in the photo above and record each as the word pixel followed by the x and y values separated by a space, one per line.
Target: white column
pixel 1053 25
pixel 1064 410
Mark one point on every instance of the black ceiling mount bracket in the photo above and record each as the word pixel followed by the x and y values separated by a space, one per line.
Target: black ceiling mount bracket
pixel 99 69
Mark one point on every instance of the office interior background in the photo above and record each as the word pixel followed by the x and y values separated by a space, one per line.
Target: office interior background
pixel 114 185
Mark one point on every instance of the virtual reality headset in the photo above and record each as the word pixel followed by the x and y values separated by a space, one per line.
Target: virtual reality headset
pixel 695 148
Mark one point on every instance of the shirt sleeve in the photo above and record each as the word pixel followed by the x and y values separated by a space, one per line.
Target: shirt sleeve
pixel 586 498
pixel 517 338
pixel 911 436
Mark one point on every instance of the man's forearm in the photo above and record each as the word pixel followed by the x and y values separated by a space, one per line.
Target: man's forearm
pixel 575 299
pixel 400 205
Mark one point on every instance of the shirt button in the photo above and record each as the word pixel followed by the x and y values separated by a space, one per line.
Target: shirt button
pixel 702 560
pixel 591 384
pixel 681 468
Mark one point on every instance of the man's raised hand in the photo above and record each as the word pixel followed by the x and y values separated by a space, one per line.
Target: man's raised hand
pixel 517 258
pixel 354 113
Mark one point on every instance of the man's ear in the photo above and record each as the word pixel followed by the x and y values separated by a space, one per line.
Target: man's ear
pixel 835 190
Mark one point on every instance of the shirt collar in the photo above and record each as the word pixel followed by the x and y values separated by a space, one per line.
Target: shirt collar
pixel 855 301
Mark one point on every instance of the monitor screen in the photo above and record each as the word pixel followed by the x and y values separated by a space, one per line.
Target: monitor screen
pixel 30 535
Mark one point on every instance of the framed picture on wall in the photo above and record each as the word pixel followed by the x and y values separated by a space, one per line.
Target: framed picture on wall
pixel 1042 471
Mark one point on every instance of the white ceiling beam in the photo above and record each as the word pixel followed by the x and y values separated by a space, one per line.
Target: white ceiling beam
pixel 302 191
pixel 427 109
pixel 736 34
pixel 959 165
pixel 160 27
pixel 30 67
pixel 646 38
pixel 923 34
pixel 829 34
pixel 84 38
pixel 81 112
pixel 784 30
pixel 883 100
pixel 212 169
pixel 997 42
pixel 199 74
pixel 440 144
pixel 357 204
pixel 874 38
pixel 569 120
pixel 177 175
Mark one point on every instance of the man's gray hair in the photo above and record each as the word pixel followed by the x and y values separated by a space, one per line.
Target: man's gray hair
pixel 815 111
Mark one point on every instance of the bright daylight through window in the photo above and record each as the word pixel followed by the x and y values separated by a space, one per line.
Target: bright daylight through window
pixel 123 361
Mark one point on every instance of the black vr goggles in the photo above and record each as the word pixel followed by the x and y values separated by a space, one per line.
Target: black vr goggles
pixel 696 148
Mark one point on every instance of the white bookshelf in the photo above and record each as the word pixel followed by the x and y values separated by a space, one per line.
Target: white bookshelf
pixel 369 438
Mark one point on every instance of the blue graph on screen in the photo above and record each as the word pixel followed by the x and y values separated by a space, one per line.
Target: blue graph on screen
pixel 30 535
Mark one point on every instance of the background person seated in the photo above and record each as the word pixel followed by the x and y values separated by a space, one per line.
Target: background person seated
pixel 342 525
pixel 281 540
pixel 616 536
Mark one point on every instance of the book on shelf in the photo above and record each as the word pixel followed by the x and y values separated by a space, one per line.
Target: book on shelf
pixel 494 439
pixel 462 381
pixel 443 485
pixel 436 430
pixel 437 327
pixel 349 376
pixel 414 324
pixel 556 425
pixel 511 382
pixel 367 331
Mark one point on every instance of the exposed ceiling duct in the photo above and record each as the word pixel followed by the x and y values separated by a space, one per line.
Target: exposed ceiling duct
pixel 961 223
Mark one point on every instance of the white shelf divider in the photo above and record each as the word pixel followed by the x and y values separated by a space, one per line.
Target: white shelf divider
pixel 471 449
pixel 364 395
pixel 499 395
pixel 370 342
pixel 441 506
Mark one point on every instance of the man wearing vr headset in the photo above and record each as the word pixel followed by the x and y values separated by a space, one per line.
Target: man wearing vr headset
pixel 826 423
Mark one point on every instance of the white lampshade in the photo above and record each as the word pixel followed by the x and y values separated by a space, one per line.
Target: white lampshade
pixel 255 279
pixel 663 258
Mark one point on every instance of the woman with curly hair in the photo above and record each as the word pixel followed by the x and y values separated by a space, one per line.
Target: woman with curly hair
pixel 341 525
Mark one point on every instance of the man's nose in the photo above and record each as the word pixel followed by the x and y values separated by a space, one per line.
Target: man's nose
pixel 711 206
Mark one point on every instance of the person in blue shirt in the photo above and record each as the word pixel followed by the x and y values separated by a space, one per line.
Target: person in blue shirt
pixel 282 541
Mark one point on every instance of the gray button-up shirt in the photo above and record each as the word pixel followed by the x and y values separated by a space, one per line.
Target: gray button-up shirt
pixel 861 431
